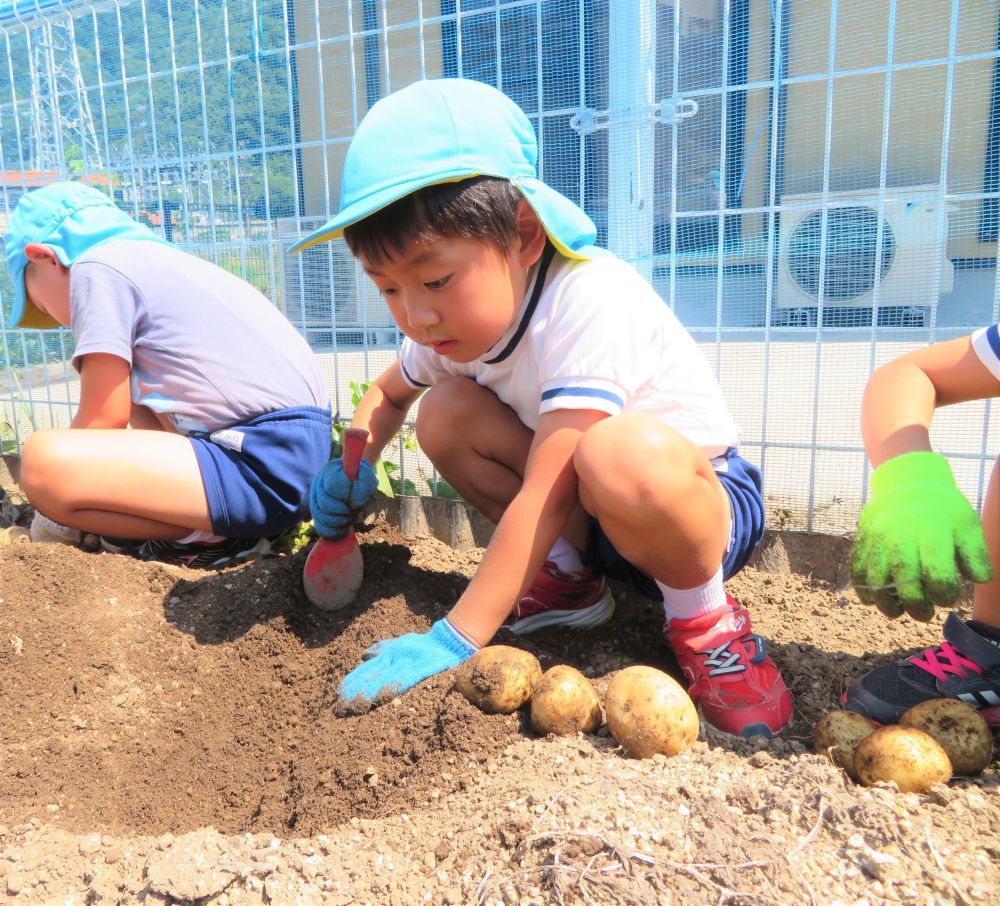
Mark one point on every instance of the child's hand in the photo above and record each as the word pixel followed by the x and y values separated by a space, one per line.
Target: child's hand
pixel 397 665
pixel 335 500
pixel 917 537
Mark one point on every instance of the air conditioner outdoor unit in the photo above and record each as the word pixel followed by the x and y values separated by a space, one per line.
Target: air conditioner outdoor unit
pixel 324 288
pixel 906 267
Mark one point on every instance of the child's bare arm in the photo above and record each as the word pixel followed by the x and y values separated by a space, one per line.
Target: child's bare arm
pixel 528 528
pixel 902 395
pixel 105 392
pixel 335 499
pixel 383 409
pixel 523 537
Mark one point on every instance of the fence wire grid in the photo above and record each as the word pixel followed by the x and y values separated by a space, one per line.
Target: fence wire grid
pixel 813 186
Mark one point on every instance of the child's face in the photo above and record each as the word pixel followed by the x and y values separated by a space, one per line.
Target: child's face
pixel 46 283
pixel 457 296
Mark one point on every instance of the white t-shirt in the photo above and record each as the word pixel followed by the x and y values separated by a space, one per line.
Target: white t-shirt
pixel 598 337
pixel 206 349
pixel 986 343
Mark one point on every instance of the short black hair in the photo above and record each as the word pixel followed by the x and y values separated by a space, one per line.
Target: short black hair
pixel 483 208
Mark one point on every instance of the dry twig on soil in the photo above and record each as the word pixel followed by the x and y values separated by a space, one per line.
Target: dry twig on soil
pixel 625 860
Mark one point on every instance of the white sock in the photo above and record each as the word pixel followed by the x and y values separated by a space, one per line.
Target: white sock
pixel 200 537
pixel 565 556
pixel 688 603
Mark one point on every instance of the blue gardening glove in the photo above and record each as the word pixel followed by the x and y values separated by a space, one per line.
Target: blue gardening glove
pixel 917 537
pixel 399 664
pixel 335 500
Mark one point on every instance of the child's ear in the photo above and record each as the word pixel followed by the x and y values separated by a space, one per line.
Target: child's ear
pixel 35 251
pixel 530 234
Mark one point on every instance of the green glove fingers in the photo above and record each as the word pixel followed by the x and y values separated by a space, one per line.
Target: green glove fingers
pixel 860 552
pixel 917 537
pixel 908 570
pixel 879 585
pixel 970 548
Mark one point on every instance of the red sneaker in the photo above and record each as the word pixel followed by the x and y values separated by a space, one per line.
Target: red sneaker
pixel 729 673
pixel 579 600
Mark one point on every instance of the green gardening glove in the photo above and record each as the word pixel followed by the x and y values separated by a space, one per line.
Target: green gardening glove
pixel 916 538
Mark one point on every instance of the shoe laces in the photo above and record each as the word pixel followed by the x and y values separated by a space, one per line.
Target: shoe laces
pixel 733 655
pixel 944 659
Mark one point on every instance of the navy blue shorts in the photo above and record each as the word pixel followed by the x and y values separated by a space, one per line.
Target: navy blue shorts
pixel 257 474
pixel 742 481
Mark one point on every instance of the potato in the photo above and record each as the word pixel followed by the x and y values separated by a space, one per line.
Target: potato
pixel 960 729
pixel 837 736
pixel 649 712
pixel 499 679
pixel 565 703
pixel 911 758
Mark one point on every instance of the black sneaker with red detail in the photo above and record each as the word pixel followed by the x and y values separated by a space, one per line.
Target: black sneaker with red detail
pixel 205 555
pixel 966 666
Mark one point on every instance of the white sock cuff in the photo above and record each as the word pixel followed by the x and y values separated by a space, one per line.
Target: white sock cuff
pixel 688 603
pixel 565 556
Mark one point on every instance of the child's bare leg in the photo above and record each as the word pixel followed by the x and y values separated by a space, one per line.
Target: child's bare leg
pixel 125 483
pixel 480 446
pixel 986 601
pixel 476 442
pixel 661 505
pixel 656 497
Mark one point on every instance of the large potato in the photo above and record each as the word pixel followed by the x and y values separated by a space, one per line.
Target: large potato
pixel 499 679
pixel 911 758
pixel 565 703
pixel 649 712
pixel 837 736
pixel 960 729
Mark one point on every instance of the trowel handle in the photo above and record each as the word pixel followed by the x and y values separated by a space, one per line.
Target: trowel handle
pixel 355 440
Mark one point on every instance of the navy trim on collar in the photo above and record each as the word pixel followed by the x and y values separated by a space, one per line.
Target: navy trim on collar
pixel 407 375
pixel 536 294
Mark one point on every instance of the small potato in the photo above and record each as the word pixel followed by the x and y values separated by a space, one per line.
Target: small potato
pixel 565 703
pixel 837 736
pixel 911 758
pixel 649 712
pixel 499 679
pixel 960 729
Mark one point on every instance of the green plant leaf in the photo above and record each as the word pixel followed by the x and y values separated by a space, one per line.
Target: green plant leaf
pixel 382 474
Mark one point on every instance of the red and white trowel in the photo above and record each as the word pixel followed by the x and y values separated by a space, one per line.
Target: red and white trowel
pixel 334 568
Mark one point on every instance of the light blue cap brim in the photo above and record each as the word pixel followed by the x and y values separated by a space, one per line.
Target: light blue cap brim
pixel 570 229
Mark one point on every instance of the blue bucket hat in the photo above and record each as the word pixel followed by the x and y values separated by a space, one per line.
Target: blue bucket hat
pixel 446 130
pixel 70 219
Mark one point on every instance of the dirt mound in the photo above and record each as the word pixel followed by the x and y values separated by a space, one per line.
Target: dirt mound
pixel 141 698
pixel 167 735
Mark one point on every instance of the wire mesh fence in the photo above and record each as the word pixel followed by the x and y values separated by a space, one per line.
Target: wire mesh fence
pixel 813 186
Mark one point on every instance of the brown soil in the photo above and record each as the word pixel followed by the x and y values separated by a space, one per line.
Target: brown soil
pixel 167 737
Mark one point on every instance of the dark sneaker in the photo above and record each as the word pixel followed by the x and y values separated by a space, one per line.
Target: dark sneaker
pixel 730 676
pixel 966 665
pixel 555 598
pixel 205 555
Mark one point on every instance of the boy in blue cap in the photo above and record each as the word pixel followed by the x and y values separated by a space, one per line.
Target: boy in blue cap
pixel 230 414
pixel 559 396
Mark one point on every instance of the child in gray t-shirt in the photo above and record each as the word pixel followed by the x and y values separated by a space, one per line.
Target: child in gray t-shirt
pixel 229 413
